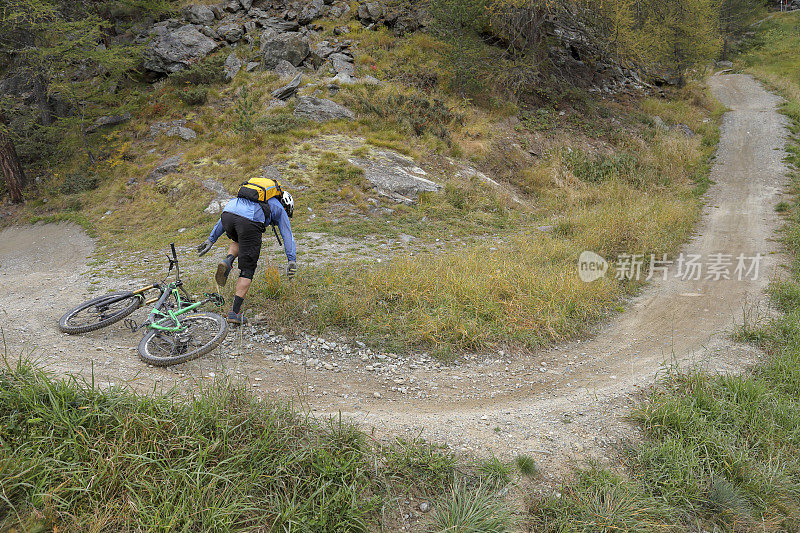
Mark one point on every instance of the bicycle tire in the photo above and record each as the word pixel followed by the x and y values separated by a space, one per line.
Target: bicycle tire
pixel 160 348
pixel 131 302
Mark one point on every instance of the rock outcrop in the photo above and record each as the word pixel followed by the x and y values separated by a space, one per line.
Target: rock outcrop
pixel 395 176
pixel 198 14
pixel 291 46
pixel 287 28
pixel 321 109
pixel 174 49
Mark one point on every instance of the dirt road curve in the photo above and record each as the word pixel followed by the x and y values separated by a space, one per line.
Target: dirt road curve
pixel 552 405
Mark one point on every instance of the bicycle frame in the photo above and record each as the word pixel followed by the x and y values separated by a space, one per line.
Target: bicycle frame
pixel 158 317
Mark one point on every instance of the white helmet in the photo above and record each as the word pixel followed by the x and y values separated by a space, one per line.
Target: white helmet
pixel 288 203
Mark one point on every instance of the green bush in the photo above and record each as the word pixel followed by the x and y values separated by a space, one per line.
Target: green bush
pixel 217 459
pixel 424 115
pixel 205 72
pixel 79 182
pixel 456 196
pixel 421 114
pixel 280 123
pixel 193 95
pixel 601 168
pixel 244 112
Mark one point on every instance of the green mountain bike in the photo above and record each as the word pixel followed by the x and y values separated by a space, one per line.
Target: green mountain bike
pixel 175 332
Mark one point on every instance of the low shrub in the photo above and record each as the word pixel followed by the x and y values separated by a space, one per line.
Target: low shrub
pixel 206 72
pixel 193 96
pixel 79 182
pixel 280 123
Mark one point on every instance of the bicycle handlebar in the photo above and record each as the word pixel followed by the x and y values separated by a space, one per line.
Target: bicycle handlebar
pixel 174 254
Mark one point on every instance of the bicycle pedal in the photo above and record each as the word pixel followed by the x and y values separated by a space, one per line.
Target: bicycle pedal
pixel 131 325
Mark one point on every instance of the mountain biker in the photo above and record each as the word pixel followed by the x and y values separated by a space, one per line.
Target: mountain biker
pixel 243 221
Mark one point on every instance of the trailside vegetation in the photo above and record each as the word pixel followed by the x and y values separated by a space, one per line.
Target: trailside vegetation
pixel 77 458
pixel 720 452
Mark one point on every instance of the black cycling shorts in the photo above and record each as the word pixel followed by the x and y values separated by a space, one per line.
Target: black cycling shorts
pixel 248 234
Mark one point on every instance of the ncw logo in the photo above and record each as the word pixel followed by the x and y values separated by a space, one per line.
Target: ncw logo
pixel 591 266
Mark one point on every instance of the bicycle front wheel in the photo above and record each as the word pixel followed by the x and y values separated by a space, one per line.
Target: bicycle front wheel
pixel 100 312
pixel 199 334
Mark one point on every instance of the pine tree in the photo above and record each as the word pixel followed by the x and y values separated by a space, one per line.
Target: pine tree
pixel 59 45
pixel 682 33
pixel 734 17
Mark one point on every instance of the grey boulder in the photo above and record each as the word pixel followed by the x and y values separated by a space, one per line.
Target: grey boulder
pixel 210 32
pixel 233 6
pixel 221 195
pixel 158 128
pixel 395 176
pixel 343 78
pixel 167 166
pixel 231 32
pixel 341 57
pixel 320 109
pixel 284 69
pixel 279 25
pixel 313 10
pixel 198 14
pixel 288 90
pixel 686 130
pixel 175 49
pixel 109 120
pixel 179 131
pixel 232 66
pixel 218 10
pixel 217 205
pixel 370 12
pixel 323 49
pixel 342 63
pixel 292 47
pixel 343 66
pixel 339 10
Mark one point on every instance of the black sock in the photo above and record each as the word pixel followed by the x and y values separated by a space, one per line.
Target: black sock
pixel 229 259
pixel 237 304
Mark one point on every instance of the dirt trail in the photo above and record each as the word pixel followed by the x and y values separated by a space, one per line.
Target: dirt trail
pixel 567 400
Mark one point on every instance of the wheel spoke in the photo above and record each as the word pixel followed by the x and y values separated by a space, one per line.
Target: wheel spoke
pixel 98 313
pixel 196 333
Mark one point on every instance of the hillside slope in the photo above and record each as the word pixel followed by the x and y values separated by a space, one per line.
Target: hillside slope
pixel 482 205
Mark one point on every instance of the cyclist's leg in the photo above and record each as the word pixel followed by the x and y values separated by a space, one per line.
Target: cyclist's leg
pixel 231 227
pixel 242 286
pixel 249 233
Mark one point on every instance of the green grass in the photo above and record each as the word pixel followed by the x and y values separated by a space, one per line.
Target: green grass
pixel 599 501
pixel 471 511
pixel 75 458
pixel 526 465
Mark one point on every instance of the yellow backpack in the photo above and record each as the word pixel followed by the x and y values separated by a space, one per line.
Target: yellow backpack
pixel 260 189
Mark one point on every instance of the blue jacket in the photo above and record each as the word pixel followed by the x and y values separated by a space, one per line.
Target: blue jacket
pixel 253 211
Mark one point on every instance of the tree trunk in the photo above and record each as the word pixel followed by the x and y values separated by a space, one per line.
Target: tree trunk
pixel 9 164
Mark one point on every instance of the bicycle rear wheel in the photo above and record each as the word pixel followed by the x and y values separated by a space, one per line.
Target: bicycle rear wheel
pixel 199 334
pixel 100 312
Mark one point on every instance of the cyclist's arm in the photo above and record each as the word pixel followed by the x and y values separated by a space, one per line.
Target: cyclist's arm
pixel 285 227
pixel 217 232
